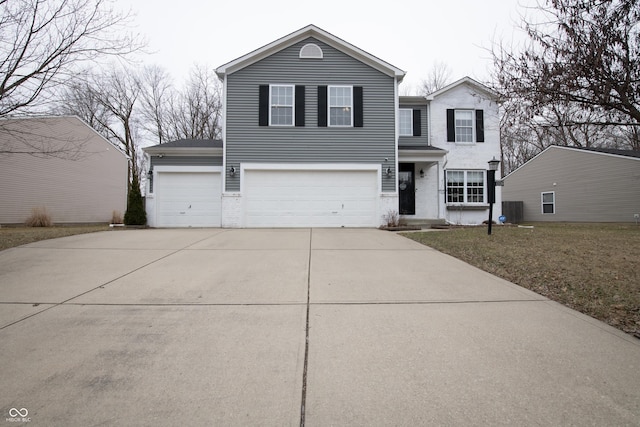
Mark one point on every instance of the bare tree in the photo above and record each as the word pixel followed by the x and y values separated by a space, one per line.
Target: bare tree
pixel 588 54
pixel 523 135
pixel 575 82
pixel 108 101
pixel 194 112
pixel 130 106
pixel 158 99
pixel 199 108
pixel 439 76
pixel 43 43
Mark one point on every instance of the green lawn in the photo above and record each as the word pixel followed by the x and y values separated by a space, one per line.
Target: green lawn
pixel 593 268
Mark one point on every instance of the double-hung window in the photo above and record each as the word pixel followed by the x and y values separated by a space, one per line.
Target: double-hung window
pixel 465 186
pixel 549 202
pixel 340 106
pixel 464 126
pixel 282 105
pixel 406 122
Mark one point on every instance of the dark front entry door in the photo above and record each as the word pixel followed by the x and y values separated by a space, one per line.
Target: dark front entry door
pixel 407 187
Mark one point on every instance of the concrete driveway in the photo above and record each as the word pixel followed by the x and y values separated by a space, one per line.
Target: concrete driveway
pixel 278 327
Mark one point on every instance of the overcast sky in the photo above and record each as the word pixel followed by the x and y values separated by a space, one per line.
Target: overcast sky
pixel 410 34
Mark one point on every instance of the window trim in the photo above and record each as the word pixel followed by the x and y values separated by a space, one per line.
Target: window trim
pixel 465 188
pixel 329 106
pixel 410 111
pixel 543 203
pixel 293 105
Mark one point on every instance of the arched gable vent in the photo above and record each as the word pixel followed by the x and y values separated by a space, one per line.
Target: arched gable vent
pixel 311 51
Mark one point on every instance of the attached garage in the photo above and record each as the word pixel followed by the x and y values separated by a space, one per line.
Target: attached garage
pixel 188 199
pixel 310 198
pixel 184 183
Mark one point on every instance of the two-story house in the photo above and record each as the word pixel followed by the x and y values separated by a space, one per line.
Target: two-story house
pixel 316 135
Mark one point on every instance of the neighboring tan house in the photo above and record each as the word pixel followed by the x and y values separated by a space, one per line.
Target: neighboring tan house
pixel 315 135
pixel 63 165
pixel 568 184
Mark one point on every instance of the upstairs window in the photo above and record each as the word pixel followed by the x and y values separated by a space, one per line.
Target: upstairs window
pixel 340 106
pixel 406 122
pixel 410 122
pixel 465 126
pixel 281 102
pixel 281 105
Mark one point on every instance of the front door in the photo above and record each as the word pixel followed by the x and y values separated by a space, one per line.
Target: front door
pixel 407 188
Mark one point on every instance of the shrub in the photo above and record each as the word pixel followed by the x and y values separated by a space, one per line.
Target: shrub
pixel 39 218
pixel 116 217
pixel 135 214
pixel 392 218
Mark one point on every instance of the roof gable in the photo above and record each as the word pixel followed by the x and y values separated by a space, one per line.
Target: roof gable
pixel 302 34
pixel 468 81
pixel 65 136
pixel 630 154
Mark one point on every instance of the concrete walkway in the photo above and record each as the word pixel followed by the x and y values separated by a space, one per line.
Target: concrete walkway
pixel 278 327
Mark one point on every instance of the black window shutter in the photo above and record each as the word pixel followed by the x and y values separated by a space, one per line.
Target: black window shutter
pixel 358 116
pixel 451 125
pixel 479 126
pixel 417 123
pixel 263 103
pixel 299 106
pixel 322 106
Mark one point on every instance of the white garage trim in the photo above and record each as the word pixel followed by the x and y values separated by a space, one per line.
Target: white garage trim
pixel 200 191
pixel 311 166
pixel 310 195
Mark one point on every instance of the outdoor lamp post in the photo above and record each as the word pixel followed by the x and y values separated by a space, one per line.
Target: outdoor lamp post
pixel 491 188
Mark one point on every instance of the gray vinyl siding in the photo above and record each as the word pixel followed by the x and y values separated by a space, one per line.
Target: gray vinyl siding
pixel 248 142
pixel 408 142
pixel 589 187
pixel 186 161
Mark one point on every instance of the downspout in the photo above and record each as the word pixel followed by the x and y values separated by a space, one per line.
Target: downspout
pixel 396 104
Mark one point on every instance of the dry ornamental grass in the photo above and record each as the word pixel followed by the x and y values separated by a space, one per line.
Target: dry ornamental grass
pixel 592 268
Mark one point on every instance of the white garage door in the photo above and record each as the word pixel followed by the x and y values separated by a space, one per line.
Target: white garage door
pixel 316 198
pixel 188 199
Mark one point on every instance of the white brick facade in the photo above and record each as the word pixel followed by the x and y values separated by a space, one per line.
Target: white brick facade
pixel 231 210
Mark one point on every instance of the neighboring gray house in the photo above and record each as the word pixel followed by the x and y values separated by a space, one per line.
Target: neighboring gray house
pixel 315 135
pixel 63 165
pixel 568 184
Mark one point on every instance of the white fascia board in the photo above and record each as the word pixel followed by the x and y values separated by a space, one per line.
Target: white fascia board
pixel 184 151
pixel 190 169
pixel 421 155
pixel 311 166
pixel 301 34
